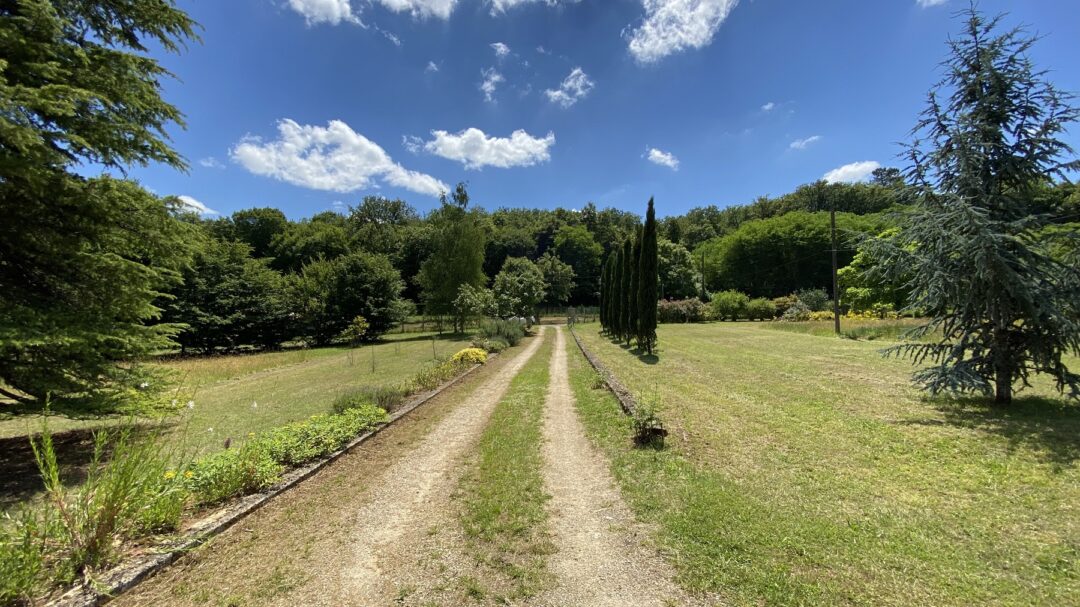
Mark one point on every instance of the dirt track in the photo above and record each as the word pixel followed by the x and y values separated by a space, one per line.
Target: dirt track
pixel 358 532
pixel 602 557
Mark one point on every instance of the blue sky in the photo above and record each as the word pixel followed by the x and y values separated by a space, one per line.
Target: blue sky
pixel 308 105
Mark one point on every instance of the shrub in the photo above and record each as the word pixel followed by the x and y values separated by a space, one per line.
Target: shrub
pixel 796 312
pixel 494 344
pixel 300 442
pixel 648 429
pixel 470 356
pixel 432 376
pixel 508 330
pixel 356 331
pixel 783 303
pixel 387 398
pixel 683 310
pixel 352 400
pixel 729 304
pixel 219 476
pixel 760 309
pixel 821 315
pixel 815 299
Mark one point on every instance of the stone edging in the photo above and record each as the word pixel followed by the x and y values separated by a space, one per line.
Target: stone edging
pixel 127 575
pixel 626 400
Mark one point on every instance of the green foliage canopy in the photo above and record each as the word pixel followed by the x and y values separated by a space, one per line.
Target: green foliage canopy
pixel 83 260
pixel 974 250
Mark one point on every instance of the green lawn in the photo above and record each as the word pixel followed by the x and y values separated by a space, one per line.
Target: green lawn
pixel 233 396
pixel 806 470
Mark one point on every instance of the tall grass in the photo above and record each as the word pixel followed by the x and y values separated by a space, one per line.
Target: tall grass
pixel 129 491
pixel 509 331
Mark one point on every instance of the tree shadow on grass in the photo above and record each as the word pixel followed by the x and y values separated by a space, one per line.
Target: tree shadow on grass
pixel 1050 426
pixel 21 480
pixel 438 337
pixel 643 356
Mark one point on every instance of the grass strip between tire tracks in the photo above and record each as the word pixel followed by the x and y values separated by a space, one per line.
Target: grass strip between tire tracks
pixel 502 495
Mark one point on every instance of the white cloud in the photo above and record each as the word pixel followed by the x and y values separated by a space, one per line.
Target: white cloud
pixel 929 3
pixel 432 67
pixel 412 143
pixel 849 173
pixel 802 144
pixel 196 206
pixel 501 6
pixel 491 82
pixel 768 107
pixel 501 50
pixel 325 11
pixel 662 158
pixel 420 9
pixel 389 36
pixel 573 88
pixel 211 163
pixel 543 51
pixel 333 158
pixel 473 148
pixel 671 26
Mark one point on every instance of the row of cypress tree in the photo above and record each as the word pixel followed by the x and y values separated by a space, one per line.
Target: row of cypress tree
pixel 628 289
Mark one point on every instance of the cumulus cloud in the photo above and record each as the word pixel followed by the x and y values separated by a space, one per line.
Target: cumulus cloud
pixel 211 163
pixel 501 6
pixel 475 149
pixel 501 50
pixel 802 144
pixel 333 158
pixel 332 12
pixel 768 107
pixel 671 26
pixel 572 89
pixel 196 206
pixel 421 9
pixel 490 82
pixel 432 67
pixel 662 158
pixel 929 3
pixel 850 173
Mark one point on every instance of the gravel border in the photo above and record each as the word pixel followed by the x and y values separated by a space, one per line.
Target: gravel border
pixel 125 576
pixel 626 399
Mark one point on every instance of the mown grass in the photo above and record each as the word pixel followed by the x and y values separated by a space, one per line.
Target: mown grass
pixel 237 395
pixel 502 495
pixel 808 471
pixel 851 328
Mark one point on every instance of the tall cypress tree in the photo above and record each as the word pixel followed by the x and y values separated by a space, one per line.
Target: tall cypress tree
pixel 617 298
pixel 632 298
pixel 605 300
pixel 647 283
pixel 609 293
pixel 625 274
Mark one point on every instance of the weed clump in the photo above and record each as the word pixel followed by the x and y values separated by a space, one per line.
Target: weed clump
pixel 508 330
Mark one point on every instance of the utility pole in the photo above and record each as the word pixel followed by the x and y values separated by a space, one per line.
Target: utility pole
pixel 703 276
pixel 835 282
